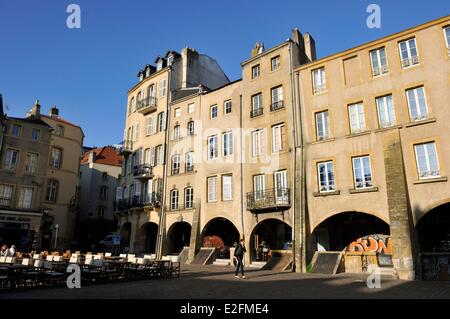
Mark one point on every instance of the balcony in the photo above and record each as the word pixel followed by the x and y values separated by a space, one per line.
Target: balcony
pixel 5 201
pixel 380 70
pixel 277 106
pixel 147 105
pixel 270 200
pixel 189 168
pixel 319 88
pixel 175 207
pixel 410 61
pixel 148 200
pixel 256 112
pixel 143 171
pixel 126 148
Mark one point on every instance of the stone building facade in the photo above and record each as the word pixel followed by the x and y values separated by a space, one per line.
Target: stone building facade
pixel 305 155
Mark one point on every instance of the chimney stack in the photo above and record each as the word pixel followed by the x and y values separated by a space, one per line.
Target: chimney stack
pixel 310 47
pixel 35 111
pixel 92 156
pixel 258 49
pixel 54 112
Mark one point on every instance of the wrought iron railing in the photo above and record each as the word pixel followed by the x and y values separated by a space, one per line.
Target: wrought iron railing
pixel 5 201
pixel 149 101
pixel 126 147
pixel 269 198
pixel 256 112
pixel 152 199
pixel 142 170
pixel 277 105
pixel 410 61
pixel 318 88
pixel 380 70
pixel 174 207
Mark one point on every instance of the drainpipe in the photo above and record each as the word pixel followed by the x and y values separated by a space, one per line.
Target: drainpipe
pixel 162 215
pixel 242 166
pixel 294 158
pixel 302 201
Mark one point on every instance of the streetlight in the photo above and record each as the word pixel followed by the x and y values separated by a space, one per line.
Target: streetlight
pixel 56 226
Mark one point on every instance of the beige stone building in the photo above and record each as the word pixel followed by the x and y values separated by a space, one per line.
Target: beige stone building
pixel 345 153
pixel 39 179
pixel 375 126
pixel 140 205
pixel 63 176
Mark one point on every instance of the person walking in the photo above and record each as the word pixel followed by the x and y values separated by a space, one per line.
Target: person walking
pixel 239 254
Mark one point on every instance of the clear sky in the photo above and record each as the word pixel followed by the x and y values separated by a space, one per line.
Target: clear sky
pixel 87 72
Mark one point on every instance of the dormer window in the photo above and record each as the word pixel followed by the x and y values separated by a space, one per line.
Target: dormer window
pixel 159 65
pixel 147 72
pixel 170 59
pixel 141 76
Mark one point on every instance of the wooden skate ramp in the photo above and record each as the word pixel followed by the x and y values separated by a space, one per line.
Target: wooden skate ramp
pixel 280 261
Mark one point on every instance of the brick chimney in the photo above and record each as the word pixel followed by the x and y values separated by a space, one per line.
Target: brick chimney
pixel 54 112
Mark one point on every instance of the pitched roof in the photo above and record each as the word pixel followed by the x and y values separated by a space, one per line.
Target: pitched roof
pixel 106 155
pixel 60 119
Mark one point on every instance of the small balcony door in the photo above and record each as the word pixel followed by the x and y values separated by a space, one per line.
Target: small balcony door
pixel 280 183
pixel 259 186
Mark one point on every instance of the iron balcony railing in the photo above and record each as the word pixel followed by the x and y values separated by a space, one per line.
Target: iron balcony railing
pixel 147 104
pixel 126 147
pixel 189 168
pixel 277 105
pixel 5 201
pixel 380 70
pixel 410 61
pixel 152 199
pixel 174 207
pixel 144 170
pixel 277 199
pixel 319 88
pixel 256 112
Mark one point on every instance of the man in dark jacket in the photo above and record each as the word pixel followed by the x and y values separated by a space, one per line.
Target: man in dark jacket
pixel 239 254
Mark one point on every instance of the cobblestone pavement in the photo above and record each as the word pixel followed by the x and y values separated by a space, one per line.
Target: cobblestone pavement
pixel 219 282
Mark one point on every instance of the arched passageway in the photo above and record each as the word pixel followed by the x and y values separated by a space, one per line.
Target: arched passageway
pixel 270 234
pixel 434 230
pixel 221 234
pixel 179 236
pixel 339 231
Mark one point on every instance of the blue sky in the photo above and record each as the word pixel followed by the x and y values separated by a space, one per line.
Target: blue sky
pixel 87 72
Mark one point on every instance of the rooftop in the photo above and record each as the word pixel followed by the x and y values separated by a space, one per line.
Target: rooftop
pixel 106 155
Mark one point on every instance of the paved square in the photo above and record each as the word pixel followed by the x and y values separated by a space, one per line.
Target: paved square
pixel 219 282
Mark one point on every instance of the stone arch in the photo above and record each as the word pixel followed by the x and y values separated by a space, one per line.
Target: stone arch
pixel 146 238
pixel 221 233
pixel 339 231
pixel 269 234
pixel 178 236
pixel 433 229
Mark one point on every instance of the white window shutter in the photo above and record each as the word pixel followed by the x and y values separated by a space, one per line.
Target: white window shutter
pixel 155 124
pixel 163 154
